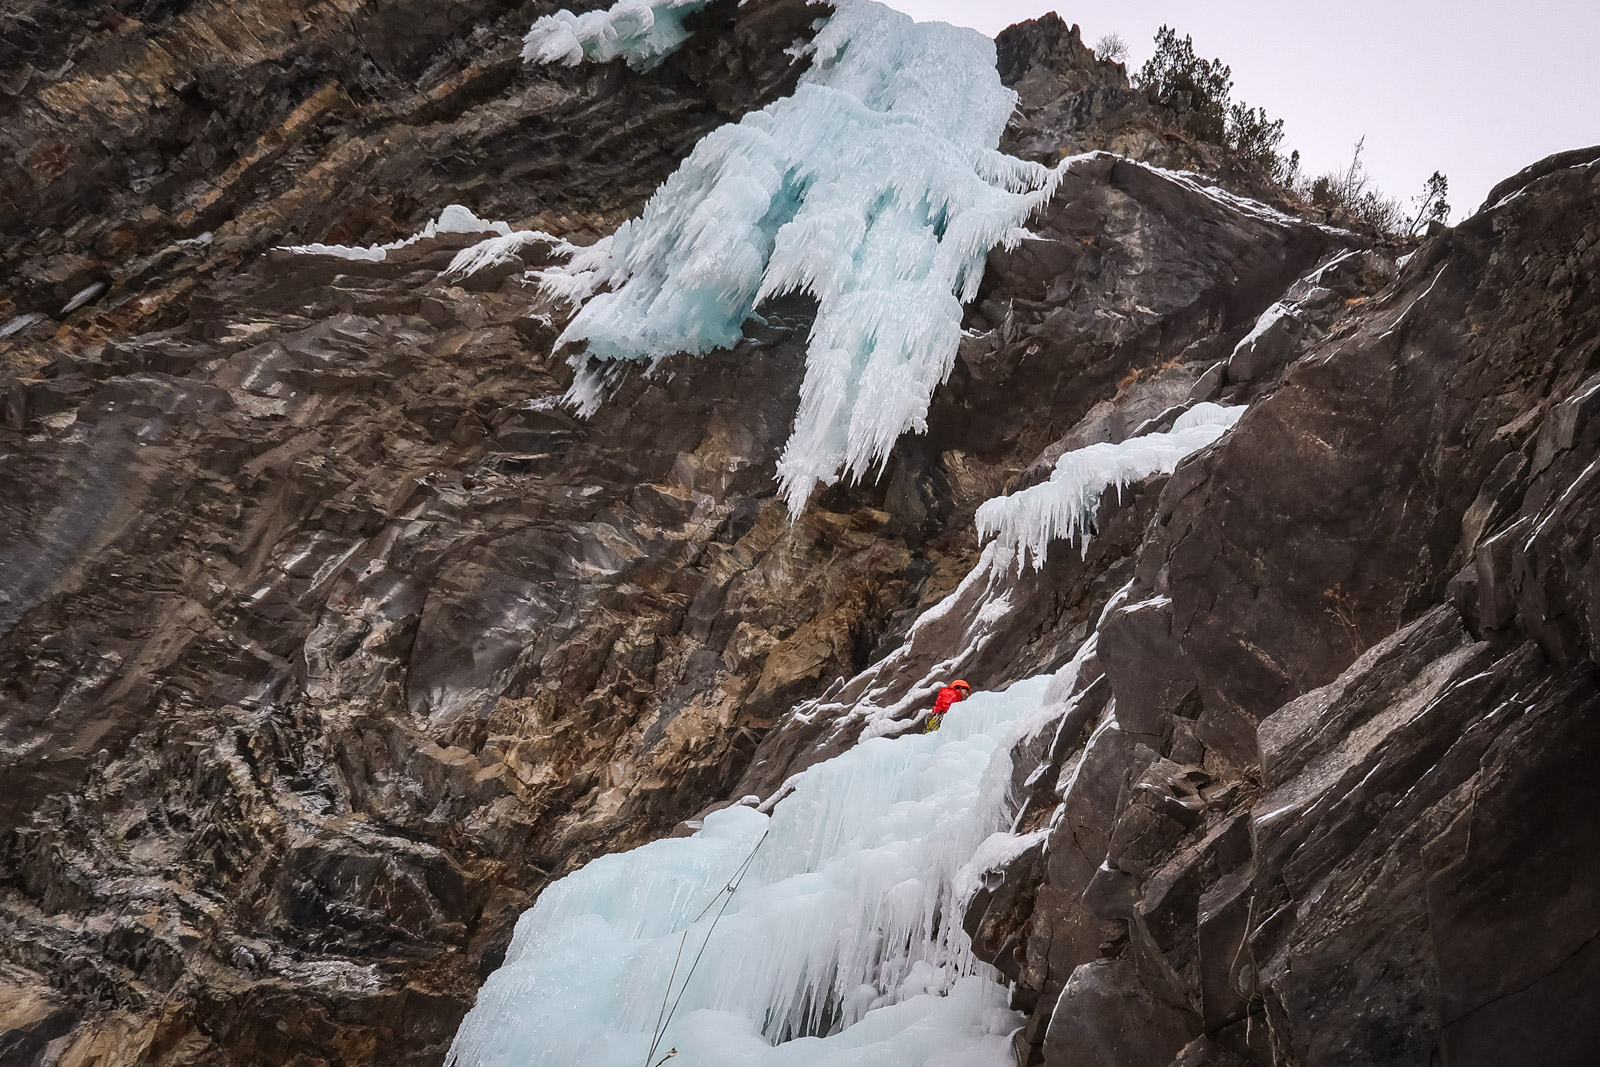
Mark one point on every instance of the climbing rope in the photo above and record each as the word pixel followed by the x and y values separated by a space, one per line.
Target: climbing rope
pixel 725 894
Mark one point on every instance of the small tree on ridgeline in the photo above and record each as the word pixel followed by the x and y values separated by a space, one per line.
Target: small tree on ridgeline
pixel 1199 89
pixel 1254 139
pixel 1199 94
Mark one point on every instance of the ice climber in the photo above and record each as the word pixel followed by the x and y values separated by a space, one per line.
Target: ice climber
pixel 953 693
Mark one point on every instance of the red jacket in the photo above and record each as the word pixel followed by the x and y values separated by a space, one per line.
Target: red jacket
pixel 947 696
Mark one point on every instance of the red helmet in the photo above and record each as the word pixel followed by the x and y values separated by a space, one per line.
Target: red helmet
pixel 961 684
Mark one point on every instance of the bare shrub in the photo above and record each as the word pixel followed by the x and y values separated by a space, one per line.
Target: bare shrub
pixel 1111 49
pixel 1351 195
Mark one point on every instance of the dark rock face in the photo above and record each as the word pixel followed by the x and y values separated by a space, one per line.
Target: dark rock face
pixel 328 637
pixel 1349 691
pixel 327 634
pixel 1071 101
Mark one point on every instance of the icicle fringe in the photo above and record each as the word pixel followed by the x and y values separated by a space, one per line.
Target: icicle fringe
pixel 1025 523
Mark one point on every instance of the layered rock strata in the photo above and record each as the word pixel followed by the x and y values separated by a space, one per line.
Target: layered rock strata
pixel 328 637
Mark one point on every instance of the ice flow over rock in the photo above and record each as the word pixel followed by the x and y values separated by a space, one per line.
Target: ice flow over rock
pixel 642 32
pixel 876 189
pixel 1024 523
pixel 843 944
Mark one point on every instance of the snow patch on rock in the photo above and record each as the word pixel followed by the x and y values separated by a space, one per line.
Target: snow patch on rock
pixel 453 219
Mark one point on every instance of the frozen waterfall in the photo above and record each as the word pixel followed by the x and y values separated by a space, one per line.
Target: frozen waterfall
pixel 875 188
pixel 842 945
pixel 826 932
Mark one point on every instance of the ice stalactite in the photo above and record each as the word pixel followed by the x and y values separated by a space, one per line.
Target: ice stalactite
pixel 642 32
pixel 1025 523
pixel 875 189
pixel 576 280
pixel 842 945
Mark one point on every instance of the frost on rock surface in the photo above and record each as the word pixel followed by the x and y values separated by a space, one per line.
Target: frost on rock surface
pixel 453 219
pixel 504 249
pixel 876 189
pixel 1023 524
pixel 643 32
pixel 842 945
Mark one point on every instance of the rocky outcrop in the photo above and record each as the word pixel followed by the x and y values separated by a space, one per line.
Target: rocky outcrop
pixel 284 761
pixel 331 637
pixel 1069 101
pixel 328 637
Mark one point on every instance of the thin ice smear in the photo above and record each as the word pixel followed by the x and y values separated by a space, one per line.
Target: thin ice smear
pixel 874 189
pixel 842 946
pixel 454 219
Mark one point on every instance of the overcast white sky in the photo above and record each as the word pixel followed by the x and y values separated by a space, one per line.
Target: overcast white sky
pixel 1474 88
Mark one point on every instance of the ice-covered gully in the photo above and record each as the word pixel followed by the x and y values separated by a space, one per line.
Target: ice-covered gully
pixel 828 931
pixel 841 940
pixel 839 943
